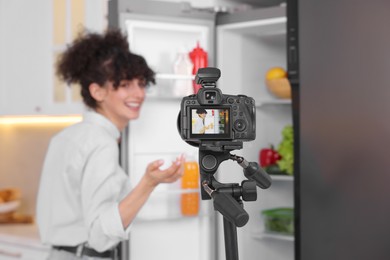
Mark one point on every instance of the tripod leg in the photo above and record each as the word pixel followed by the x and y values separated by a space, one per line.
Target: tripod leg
pixel 231 246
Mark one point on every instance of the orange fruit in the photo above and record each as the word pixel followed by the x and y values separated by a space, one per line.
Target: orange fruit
pixel 276 73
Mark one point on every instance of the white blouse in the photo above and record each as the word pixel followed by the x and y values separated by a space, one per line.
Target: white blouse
pixel 81 185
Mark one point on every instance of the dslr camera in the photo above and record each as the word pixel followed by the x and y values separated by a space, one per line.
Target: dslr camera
pixel 218 124
pixel 210 116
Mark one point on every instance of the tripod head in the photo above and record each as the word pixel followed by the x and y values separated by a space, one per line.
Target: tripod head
pixel 227 197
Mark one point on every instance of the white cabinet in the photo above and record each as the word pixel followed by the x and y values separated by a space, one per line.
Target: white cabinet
pixel 29 46
pixel 25 56
pixel 245 52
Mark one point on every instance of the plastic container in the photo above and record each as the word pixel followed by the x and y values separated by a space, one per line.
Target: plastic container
pixel 199 58
pixel 183 66
pixel 279 220
pixel 190 180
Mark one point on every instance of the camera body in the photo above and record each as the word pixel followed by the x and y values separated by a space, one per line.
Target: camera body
pixel 210 115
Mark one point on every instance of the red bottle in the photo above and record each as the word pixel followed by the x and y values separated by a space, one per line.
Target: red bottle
pixel 199 58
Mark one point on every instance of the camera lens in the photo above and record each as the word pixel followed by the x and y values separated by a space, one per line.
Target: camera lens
pixel 240 125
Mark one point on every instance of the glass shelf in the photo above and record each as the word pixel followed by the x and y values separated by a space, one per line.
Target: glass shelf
pixel 259 28
pixel 272 101
pixel 282 177
pixel 265 235
pixel 164 89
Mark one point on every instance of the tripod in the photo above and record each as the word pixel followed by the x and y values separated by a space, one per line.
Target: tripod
pixel 227 198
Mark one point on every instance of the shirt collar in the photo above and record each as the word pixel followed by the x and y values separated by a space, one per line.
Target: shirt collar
pixel 100 120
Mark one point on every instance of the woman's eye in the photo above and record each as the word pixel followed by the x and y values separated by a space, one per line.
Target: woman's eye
pixel 125 85
pixel 140 83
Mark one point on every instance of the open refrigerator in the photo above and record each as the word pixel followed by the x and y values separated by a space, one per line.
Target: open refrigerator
pixel 243 46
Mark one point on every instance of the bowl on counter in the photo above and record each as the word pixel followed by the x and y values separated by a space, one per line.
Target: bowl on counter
pixel 10 206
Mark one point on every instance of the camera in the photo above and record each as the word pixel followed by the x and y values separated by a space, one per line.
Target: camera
pixel 210 115
pixel 218 124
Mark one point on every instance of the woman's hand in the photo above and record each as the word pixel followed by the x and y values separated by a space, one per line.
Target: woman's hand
pixel 210 126
pixel 156 176
pixel 133 202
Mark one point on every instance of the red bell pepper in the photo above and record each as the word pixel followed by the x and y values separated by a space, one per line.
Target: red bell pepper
pixel 268 156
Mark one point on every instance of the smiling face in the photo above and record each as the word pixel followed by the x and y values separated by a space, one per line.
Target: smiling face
pixel 203 115
pixel 122 104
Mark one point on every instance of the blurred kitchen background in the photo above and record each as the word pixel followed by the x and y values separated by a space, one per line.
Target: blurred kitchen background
pixel 315 142
pixel 176 38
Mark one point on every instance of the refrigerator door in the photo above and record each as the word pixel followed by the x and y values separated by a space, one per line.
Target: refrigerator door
pixel 344 133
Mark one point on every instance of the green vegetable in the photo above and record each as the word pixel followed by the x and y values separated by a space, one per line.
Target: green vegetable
pixel 274 169
pixel 280 220
pixel 286 150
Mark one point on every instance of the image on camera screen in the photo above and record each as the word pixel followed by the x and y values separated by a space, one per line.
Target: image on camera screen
pixel 212 122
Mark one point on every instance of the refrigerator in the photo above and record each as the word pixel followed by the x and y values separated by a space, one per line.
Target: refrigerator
pixel 243 45
pixel 339 63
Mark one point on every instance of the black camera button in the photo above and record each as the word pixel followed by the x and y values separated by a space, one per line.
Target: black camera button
pixel 240 125
pixel 193 102
pixel 230 100
pixel 188 102
pixel 235 107
pixel 209 162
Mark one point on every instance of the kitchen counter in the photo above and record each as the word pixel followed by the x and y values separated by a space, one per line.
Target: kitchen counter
pixel 25 235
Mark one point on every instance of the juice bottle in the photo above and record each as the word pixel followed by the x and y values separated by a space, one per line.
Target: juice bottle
pixel 190 180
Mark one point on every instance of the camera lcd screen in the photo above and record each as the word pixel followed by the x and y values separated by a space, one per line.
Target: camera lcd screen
pixel 210 123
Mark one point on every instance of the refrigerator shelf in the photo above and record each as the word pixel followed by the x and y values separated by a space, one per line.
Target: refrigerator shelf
pixel 259 28
pixel 272 101
pixel 282 178
pixel 265 235
pixel 164 89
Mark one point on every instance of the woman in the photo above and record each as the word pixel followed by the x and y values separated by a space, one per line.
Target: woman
pixel 200 127
pixel 85 203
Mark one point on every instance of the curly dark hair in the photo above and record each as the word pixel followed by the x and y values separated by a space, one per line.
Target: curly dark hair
pixel 201 111
pixel 98 58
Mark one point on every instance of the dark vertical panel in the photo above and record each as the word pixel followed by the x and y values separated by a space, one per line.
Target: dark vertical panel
pixel 293 75
pixel 344 129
